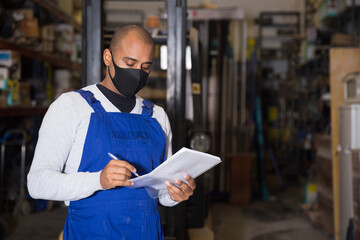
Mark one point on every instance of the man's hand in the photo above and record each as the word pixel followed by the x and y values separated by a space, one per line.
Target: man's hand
pixel 184 192
pixel 116 173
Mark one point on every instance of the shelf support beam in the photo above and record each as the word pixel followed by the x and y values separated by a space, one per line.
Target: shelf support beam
pixel 53 8
pixel 91 42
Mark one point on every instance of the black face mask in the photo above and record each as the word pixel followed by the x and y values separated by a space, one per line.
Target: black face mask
pixel 128 81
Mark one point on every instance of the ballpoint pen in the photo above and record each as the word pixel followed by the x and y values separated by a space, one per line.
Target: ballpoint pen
pixel 113 156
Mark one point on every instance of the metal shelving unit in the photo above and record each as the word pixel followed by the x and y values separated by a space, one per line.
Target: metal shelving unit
pixel 223 82
pixel 53 59
pixel 52 8
pixel 22 112
pixel 279 45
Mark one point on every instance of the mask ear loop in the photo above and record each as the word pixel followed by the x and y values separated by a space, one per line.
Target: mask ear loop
pixel 108 66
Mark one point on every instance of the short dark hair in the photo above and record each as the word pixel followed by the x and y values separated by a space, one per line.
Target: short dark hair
pixel 121 33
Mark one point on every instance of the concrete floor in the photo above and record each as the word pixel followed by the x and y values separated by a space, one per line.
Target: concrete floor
pixel 262 221
pixel 45 225
pixel 279 219
pixel 273 220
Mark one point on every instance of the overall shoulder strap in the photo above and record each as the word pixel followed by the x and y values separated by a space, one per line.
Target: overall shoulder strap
pixel 147 108
pixel 92 101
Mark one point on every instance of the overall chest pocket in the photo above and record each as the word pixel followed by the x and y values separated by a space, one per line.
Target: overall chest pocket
pixel 136 151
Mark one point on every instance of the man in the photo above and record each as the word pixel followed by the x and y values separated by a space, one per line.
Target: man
pixel 71 161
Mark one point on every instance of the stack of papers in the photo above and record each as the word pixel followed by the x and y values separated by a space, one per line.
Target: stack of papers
pixel 184 162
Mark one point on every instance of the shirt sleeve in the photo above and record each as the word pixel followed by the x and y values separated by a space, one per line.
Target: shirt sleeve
pixel 166 201
pixel 46 179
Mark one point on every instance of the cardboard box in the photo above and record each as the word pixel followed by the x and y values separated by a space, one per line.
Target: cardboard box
pixel 48 46
pixel 4 77
pixel 48 33
pixel 30 28
pixel 21 94
pixel 11 60
pixel 24 91
pixel 64 42
pixel 3 99
pixel 341 39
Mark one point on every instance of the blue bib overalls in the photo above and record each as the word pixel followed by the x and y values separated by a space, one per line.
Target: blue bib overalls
pixel 119 213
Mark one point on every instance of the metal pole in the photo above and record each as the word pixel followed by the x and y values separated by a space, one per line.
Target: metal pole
pixel 171 68
pixel 223 127
pixel 204 36
pixel 91 42
pixel 22 169
pixel 243 129
pixel 235 114
pixel 175 95
pixel 180 75
pixel 243 73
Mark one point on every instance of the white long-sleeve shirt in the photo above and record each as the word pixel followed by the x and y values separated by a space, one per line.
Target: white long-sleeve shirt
pixel 54 171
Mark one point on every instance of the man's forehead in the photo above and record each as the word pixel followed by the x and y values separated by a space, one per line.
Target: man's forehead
pixel 132 40
pixel 133 50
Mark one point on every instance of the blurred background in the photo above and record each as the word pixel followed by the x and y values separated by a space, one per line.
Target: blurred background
pixel 270 86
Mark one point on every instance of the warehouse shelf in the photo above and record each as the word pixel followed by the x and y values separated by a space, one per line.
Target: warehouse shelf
pixel 265 59
pixel 281 25
pixel 53 8
pixel 51 58
pixel 22 111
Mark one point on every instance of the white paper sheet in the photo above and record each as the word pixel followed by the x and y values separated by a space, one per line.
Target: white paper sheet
pixel 185 161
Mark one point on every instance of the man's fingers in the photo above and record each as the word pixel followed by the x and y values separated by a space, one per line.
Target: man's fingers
pixel 122 164
pixel 172 194
pixel 119 177
pixel 186 188
pixel 123 183
pixel 120 171
pixel 182 190
pixel 177 191
pixel 191 182
pixel 119 183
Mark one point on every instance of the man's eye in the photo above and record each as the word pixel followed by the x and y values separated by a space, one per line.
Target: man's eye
pixel 146 67
pixel 130 64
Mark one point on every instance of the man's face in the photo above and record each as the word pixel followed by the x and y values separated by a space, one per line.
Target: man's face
pixel 133 53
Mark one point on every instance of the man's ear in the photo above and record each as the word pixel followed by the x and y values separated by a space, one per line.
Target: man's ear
pixel 107 57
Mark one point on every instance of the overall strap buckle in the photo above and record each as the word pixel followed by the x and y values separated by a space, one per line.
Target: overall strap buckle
pixel 147 108
pixel 92 101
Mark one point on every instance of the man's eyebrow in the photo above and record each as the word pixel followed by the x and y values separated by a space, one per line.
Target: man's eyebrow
pixel 135 60
pixel 130 58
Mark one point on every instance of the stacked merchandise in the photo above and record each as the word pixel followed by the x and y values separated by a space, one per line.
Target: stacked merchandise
pixel 48 51
pixel 13 92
